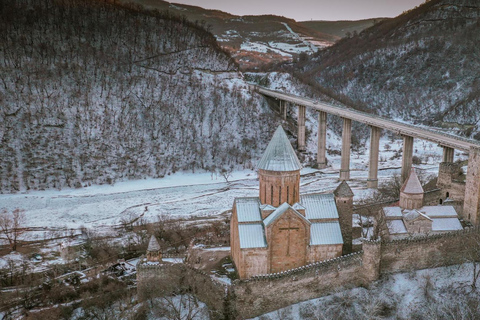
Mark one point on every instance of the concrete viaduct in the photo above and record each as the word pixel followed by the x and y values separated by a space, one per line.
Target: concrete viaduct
pixel 376 123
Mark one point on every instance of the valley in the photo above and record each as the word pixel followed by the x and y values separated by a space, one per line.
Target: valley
pixel 129 130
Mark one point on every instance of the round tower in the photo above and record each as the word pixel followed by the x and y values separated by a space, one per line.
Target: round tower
pixel 411 193
pixel 154 253
pixel 279 172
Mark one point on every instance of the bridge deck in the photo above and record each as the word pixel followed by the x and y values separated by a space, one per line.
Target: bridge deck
pixel 442 139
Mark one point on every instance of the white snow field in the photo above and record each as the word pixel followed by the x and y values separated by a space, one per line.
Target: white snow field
pixel 184 194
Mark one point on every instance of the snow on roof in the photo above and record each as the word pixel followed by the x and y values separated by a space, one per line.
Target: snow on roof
pixel 439 211
pixel 325 233
pixel 279 155
pixel 412 185
pixel 446 224
pixel 267 207
pixel 396 227
pixel 410 215
pixel 248 209
pixel 343 190
pixel 279 211
pixel 319 206
pixel 393 212
pixel 153 244
pixel 251 236
pixel 298 206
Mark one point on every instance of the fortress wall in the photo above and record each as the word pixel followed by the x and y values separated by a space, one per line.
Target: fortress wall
pixel 267 293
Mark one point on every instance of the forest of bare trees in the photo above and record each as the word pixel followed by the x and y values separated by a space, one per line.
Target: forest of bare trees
pixel 94 93
pixel 420 67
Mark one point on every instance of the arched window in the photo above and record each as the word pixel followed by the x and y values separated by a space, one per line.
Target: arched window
pixel 288 194
pixel 279 195
pixel 271 195
pixel 448 194
pixel 441 201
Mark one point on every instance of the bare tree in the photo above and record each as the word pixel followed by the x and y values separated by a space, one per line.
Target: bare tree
pixel 473 256
pixel 12 226
pixel 179 307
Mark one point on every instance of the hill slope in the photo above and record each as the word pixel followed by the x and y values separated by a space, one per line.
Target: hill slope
pixel 252 40
pixel 421 66
pixel 93 93
pixel 341 28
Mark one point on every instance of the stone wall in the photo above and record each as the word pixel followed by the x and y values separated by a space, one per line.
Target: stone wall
pixel 426 252
pixel 267 293
pixel 288 238
pixel 166 279
pixel 260 294
pixel 277 187
pixel 253 261
pixel 431 198
pixel 472 191
pixel 450 187
pixel 345 211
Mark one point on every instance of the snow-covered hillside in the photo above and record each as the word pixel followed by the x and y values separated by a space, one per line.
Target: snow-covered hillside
pixel 421 67
pixel 92 93
pixel 439 293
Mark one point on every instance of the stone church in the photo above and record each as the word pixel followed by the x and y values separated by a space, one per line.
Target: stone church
pixel 412 218
pixel 282 229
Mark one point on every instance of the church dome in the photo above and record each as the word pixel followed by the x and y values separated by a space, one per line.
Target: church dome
pixel 279 155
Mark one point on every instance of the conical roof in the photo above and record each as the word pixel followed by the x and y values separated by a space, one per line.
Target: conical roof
pixel 343 190
pixel 153 244
pixel 412 185
pixel 279 155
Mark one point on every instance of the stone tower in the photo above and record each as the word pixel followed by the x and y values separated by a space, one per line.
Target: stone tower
pixel 471 209
pixel 153 251
pixel 411 193
pixel 279 172
pixel 344 201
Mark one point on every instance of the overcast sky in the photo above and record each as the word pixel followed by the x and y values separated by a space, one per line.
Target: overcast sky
pixel 301 10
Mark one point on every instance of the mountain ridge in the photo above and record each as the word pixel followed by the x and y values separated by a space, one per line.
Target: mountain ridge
pixel 419 66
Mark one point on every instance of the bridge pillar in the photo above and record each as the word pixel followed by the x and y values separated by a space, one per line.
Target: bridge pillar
pixel 346 142
pixel 407 157
pixel 448 154
pixel 301 128
pixel 322 140
pixel 372 181
pixel 471 207
pixel 283 109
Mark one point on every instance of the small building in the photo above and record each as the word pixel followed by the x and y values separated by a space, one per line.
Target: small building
pixel 411 218
pixel 282 229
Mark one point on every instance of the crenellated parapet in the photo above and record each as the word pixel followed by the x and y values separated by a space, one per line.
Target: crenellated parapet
pixel 313 268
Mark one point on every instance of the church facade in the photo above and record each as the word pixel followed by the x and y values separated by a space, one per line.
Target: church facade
pixel 282 229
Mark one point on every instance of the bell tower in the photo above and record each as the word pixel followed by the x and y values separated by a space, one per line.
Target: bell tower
pixel 279 172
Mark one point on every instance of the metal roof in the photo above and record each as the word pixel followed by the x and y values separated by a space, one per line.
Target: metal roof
pixel 153 244
pixel 343 190
pixel 446 224
pixel 251 236
pixel 410 215
pixel 325 233
pixel 319 206
pixel 248 209
pixel 393 212
pixel 279 155
pixel 412 185
pixel 279 211
pixel 439 211
pixel 396 227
